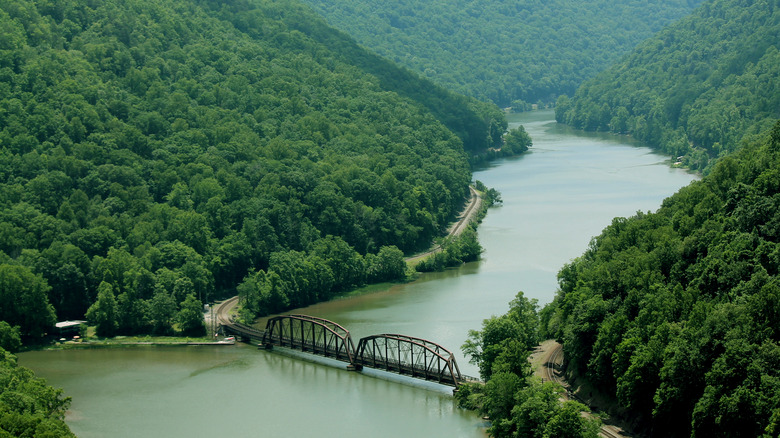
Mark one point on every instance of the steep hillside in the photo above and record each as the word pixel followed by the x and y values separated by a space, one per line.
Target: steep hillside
pixel 503 51
pixel 677 313
pixel 154 153
pixel 695 89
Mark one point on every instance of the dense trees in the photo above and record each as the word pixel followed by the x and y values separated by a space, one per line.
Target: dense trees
pixel 506 52
pixel 154 156
pixel 517 404
pixel 695 89
pixel 28 406
pixel 676 313
pixel 23 295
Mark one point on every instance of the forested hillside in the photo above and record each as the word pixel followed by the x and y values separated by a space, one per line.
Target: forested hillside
pixel 503 51
pixel 153 154
pixel 677 313
pixel 696 88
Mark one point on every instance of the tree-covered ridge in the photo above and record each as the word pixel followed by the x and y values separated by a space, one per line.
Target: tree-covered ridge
pixel 677 313
pixel 696 88
pixel 155 151
pixel 503 51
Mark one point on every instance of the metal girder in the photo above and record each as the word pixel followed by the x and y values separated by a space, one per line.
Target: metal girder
pixel 310 334
pixel 410 356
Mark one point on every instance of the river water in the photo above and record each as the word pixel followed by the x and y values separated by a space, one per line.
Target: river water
pixel 565 190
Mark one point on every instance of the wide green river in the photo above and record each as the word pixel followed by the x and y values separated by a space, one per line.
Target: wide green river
pixel 557 196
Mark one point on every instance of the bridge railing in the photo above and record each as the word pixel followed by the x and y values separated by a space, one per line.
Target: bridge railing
pixel 406 355
pixel 317 335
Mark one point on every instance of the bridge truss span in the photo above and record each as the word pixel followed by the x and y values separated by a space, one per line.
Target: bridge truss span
pixel 310 334
pixel 409 356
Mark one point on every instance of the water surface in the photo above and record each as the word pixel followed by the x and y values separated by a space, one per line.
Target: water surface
pixel 556 198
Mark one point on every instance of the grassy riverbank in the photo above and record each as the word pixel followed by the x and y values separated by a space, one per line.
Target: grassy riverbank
pixel 129 341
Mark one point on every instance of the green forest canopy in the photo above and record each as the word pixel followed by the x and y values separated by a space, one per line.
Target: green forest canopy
pixel 28 406
pixel 501 51
pixel 696 88
pixel 674 315
pixel 677 313
pixel 158 151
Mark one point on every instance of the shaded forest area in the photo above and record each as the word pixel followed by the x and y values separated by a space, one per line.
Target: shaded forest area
pixel 695 89
pixel 512 53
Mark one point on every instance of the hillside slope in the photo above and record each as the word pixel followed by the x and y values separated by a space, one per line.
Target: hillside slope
pixel 154 151
pixel 696 88
pixel 503 51
pixel 677 313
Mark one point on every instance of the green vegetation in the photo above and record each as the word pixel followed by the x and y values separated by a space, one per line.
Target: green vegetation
pixel 674 315
pixel 157 155
pixel 461 249
pixel 677 313
pixel 696 88
pixel 28 406
pixel 517 404
pixel 465 247
pixel 511 53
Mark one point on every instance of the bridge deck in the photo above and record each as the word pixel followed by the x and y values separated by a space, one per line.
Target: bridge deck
pixel 326 343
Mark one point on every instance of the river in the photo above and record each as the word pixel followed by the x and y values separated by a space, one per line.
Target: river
pixel 565 190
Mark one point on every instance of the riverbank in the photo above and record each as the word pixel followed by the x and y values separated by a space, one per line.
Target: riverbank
pixel 130 341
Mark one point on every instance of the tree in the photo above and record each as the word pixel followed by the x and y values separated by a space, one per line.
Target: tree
pixel 190 317
pixel 568 422
pixel 500 393
pixel 23 296
pixel 29 407
pixel 507 335
pixel 162 309
pixel 517 140
pixel 104 314
pixel 10 337
pixel 387 265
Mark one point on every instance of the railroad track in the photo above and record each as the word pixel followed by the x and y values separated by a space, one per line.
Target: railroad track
pixel 223 311
pixel 551 374
pixel 606 432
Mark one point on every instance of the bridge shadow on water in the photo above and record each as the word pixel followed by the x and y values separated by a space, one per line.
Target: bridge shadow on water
pixel 401 358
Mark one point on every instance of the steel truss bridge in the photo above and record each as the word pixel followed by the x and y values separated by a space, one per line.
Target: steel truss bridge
pixel 401 354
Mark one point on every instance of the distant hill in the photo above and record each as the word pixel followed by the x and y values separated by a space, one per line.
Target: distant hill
pixel 695 89
pixel 152 151
pixel 503 51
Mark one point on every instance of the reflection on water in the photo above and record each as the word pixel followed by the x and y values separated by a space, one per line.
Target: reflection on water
pixel 556 197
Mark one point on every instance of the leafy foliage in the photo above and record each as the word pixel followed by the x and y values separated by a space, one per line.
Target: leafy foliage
pixel 23 295
pixel 505 52
pixel 28 406
pixel 10 337
pixel 169 149
pixel 696 88
pixel 677 313
pixel 517 404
